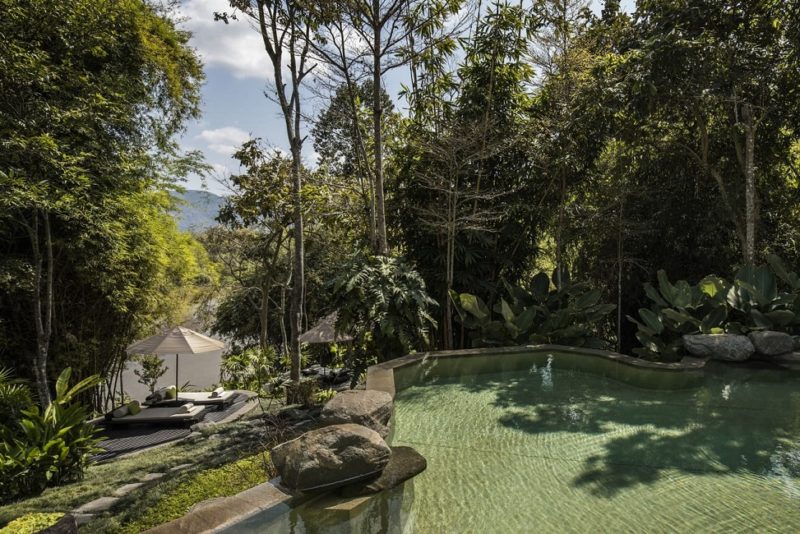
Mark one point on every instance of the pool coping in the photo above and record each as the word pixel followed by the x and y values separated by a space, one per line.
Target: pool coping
pixel 381 376
pixel 217 514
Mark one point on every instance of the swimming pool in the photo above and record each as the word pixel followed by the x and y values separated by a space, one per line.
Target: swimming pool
pixel 554 442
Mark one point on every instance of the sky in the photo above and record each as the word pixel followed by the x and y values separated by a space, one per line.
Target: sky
pixel 234 107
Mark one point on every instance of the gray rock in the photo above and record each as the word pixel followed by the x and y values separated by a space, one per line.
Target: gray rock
pixel 404 464
pixel 728 347
pixel 371 408
pixel 330 457
pixel 771 343
pixel 795 342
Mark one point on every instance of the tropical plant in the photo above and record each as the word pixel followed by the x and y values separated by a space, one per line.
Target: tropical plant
pixel 51 446
pixel 324 395
pixel 567 314
pixel 151 369
pixel 15 396
pixel 678 309
pixel 753 301
pixel 383 301
pixel 250 369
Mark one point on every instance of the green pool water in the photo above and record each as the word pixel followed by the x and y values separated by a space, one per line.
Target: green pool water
pixel 552 449
pixel 555 443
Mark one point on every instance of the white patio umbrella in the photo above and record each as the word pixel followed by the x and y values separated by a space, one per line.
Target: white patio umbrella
pixel 177 341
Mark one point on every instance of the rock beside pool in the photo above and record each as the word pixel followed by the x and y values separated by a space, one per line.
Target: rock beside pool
pixel 370 408
pixel 404 464
pixel 331 457
pixel 771 343
pixel 728 347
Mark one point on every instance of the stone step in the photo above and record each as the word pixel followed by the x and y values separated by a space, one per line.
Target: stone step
pixel 127 488
pixel 101 504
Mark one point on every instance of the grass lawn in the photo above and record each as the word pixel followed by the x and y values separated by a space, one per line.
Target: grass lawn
pixel 226 459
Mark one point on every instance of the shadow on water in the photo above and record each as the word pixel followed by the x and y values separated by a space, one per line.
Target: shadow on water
pixel 731 423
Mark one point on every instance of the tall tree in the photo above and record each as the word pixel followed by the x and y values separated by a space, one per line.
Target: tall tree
pixel 376 36
pixel 94 94
pixel 286 36
pixel 730 78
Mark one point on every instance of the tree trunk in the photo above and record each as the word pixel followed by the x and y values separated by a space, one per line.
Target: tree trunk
pixel 377 113
pixel 42 311
pixel 298 267
pixel 620 268
pixel 750 184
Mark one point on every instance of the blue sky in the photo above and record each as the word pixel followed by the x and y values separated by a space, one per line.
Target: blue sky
pixel 234 106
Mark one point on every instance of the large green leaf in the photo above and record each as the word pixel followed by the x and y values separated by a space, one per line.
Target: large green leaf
pixel 506 312
pixel 590 298
pixel 679 317
pixel 782 272
pixel 713 286
pixel 652 320
pixel 653 294
pixel 474 305
pixel 63 382
pixel 713 319
pixel 525 319
pixel 667 290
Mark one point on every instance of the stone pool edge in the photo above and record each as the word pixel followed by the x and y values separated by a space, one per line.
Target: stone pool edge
pixel 381 376
pixel 218 514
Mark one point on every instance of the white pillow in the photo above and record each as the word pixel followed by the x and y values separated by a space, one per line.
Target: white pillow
pixel 217 392
pixel 122 411
pixel 185 408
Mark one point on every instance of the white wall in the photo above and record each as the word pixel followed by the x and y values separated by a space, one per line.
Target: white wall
pixel 201 370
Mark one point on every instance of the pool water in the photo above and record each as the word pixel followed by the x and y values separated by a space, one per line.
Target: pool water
pixel 552 449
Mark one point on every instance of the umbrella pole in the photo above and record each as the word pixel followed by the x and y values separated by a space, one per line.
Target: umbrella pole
pixel 176 376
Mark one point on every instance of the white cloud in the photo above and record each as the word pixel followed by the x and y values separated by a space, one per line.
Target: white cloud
pixel 236 47
pixel 224 140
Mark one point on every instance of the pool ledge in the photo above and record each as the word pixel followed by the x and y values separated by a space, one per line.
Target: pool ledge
pixel 381 376
pixel 217 514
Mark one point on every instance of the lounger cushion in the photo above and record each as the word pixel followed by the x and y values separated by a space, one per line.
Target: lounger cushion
pixel 122 411
pixel 217 392
pixel 186 408
pixel 204 397
pixel 134 408
pixel 161 415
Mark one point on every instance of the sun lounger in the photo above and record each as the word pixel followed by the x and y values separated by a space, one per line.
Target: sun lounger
pixel 203 398
pixel 160 416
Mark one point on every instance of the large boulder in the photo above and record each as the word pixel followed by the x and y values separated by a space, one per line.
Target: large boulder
pixel 771 343
pixel 728 347
pixel 404 464
pixel 370 408
pixel 330 457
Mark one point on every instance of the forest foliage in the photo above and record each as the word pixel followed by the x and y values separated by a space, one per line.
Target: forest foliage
pixel 603 146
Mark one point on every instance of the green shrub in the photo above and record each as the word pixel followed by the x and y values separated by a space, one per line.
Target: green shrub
pixel 324 395
pixel 764 297
pixel 48 447
pixel 220 481
pixel 567 314
pixel 250 369
pixel 384 303
pixel 15 395
pixel 31 523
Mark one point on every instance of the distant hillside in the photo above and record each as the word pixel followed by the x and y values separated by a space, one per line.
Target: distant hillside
pixel 198 210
